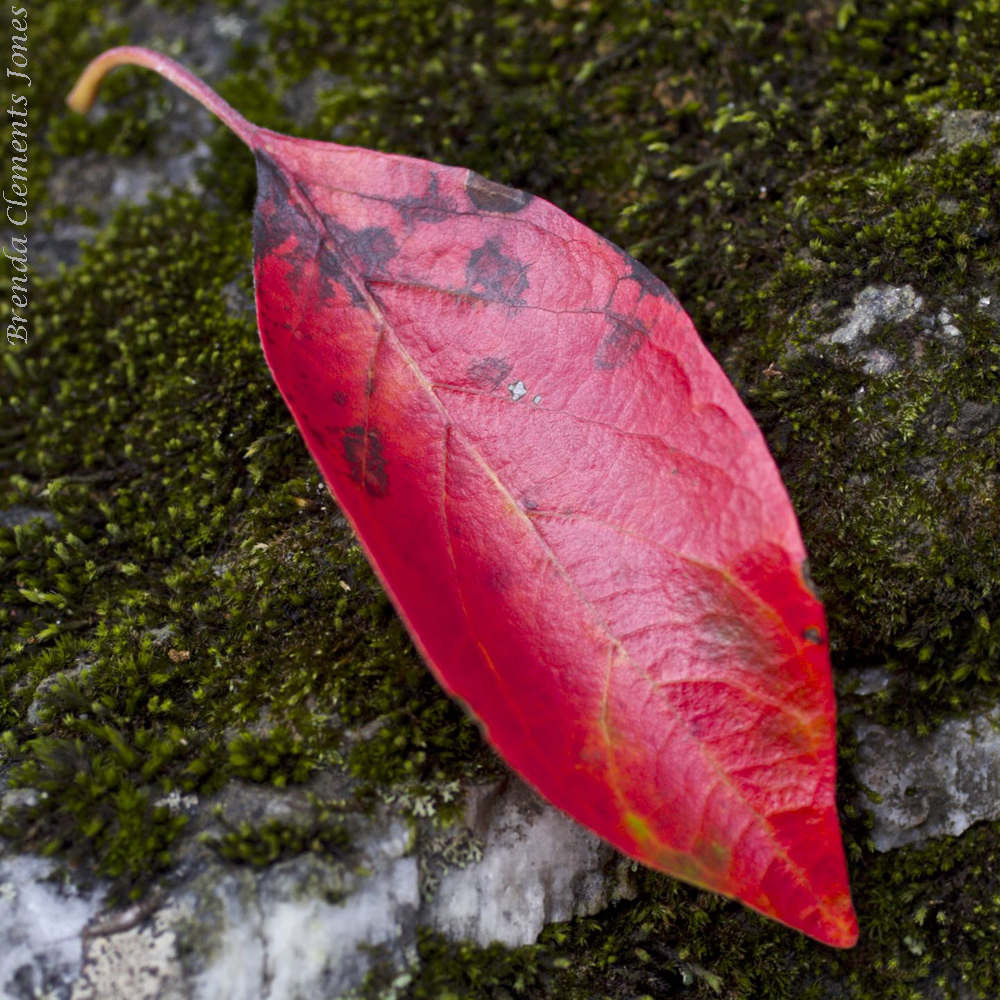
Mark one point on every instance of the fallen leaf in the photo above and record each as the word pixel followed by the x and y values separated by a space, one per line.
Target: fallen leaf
pixel 568 504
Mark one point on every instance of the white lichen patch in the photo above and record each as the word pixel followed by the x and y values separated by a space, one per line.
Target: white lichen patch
pixel 138 963
pixel 877 304
pixel 40 926
pixel 177 803
pixel 948 328
pixel 229 26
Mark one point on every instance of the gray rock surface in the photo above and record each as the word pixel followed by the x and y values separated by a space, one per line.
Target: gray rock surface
pixel 967 125
pixel 537 866
pixel 311 926
pixel 868 681
pixel 877 362
pixel 20 514
pixel 932 785
pixel 45 687
pixel 306 927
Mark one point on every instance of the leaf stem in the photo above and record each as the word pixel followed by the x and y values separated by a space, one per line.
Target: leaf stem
pixel 82 96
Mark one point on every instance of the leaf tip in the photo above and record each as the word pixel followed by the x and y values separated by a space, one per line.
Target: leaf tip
pixel 836 922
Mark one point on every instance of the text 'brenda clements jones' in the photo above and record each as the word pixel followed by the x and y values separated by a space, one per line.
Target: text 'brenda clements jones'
pixel 17 197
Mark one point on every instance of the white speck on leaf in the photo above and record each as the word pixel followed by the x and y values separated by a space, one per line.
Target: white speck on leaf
pixel 517 390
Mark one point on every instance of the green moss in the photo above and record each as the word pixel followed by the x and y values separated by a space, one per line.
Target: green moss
pixel 278 757
pixel 771 161
pixel 91 800
pixel 321 831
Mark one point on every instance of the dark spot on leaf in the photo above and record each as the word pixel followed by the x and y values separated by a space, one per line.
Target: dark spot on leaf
pixel 494 274
pixel 372 247
pixel 725 634
pixel 271 183
pixel 339 397
pixel 488 196
pixel 649 283
pixel 431 206
pixel 363 253
pixel 698 728
pixel 812 634
pixel 365 460
pixel 619 346
pixel 331 267
pixel 277 216
pixel 529 504
pixel 488 373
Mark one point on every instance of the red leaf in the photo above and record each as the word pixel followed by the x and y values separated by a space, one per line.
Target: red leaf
pixel 571 509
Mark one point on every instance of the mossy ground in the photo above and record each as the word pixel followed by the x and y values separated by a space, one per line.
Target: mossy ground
pixel 769 160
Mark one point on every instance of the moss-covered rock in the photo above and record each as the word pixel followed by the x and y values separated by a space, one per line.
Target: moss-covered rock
pixel 819 186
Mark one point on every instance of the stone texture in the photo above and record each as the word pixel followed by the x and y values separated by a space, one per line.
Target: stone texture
pixel 310 926
pixel 305 927
pixel 537 866
pixel 967 125
pixel 40 930
pixel 933 785
pixel 134 963
pixel 877 362
pixel 37 708
pixel 867 681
